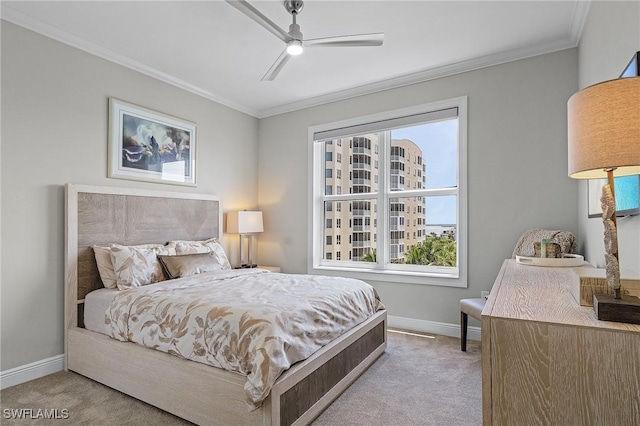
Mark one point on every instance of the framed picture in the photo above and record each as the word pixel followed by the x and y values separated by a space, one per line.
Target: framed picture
pixel 627 190
pixel 150 146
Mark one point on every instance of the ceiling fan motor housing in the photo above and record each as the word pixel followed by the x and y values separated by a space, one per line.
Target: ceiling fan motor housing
pixel 294 32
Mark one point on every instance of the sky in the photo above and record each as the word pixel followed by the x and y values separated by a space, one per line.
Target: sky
pixel 438 141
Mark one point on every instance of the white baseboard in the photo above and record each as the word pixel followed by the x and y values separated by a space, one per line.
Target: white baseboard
pixel 442 328
pixel 32 371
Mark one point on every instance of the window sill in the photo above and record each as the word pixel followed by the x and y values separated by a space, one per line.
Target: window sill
pixel 405 277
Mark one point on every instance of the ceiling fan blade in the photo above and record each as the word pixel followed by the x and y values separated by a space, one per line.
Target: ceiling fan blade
pixel 356 40
pixel 277 66
pixel 257 16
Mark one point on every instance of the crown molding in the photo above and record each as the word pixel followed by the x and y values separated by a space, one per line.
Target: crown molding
pixel 421 76
pixel 580 13
pixel 579 18
pixel 16 17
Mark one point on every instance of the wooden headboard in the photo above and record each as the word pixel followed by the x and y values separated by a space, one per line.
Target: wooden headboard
pixel 104 215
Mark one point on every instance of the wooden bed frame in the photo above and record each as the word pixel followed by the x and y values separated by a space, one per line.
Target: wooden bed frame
pixel 191 390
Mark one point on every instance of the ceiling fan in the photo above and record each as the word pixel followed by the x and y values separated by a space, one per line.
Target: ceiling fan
pixel 293 39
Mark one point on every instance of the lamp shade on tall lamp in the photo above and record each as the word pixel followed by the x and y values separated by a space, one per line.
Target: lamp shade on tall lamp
pixel 604 129
pixel 604 142
pixel 245 223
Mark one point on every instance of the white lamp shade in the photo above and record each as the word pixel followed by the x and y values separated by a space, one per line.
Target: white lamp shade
pixel 244 222
pixel 604 129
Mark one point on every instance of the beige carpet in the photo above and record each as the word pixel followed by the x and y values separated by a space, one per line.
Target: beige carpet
pixel 419 380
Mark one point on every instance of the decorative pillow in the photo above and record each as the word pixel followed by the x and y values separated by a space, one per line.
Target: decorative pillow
pixel 211 245
pixel 183 265
pixel 135 266
pixel 105 265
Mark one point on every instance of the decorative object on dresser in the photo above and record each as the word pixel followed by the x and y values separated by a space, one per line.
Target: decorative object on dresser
pixel 589 281
pixel 150 146
pixel 604 141
pixel 245 223
pixel 528 249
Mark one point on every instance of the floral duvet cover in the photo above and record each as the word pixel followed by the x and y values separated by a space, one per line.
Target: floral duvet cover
pixel 250 322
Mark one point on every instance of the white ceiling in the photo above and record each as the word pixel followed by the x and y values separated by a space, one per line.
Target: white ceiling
pixel 210 48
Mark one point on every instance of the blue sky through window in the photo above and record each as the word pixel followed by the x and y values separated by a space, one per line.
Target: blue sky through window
pixel 438 141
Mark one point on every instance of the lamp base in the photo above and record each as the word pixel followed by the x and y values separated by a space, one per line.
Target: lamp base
pixel 625 310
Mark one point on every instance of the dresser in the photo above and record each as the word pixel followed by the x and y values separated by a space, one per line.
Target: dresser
pixel 546 360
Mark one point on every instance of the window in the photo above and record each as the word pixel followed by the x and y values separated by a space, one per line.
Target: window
pixel 421 236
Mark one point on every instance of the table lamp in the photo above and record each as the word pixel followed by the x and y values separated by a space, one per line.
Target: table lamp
pixel 604 142
pixel 245 223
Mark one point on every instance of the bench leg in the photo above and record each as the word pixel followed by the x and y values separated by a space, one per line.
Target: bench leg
pixel 463 331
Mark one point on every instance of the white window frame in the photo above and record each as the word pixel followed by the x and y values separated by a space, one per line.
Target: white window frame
pixel 450 277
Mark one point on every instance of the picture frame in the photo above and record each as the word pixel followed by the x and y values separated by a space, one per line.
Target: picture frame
pixel 627 190
pixel 150 146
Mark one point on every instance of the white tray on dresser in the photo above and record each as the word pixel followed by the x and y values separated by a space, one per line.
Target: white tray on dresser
pixel 568 260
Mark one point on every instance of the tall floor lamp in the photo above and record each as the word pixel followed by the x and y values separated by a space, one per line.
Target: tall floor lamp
pixel 604 142
pixel 245 223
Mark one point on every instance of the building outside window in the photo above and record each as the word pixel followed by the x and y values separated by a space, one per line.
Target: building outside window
pixel 421 235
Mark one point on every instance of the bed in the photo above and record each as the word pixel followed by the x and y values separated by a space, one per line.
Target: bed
pixel 194 391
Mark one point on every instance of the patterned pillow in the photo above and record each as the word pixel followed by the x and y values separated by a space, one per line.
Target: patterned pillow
pixel 105 264
pixel 184 265
pixel 135 266
pixel 211 245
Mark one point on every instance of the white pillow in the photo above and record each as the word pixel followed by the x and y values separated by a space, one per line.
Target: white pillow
pixel 105 266
pixel 135 266
pixel 212 245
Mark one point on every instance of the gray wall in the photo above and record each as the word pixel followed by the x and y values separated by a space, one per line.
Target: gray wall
pixel 517 148
pixel 54 131
pixel 54 117
pixel 610 37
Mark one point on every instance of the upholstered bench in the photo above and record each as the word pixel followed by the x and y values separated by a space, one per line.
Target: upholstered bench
pixel 468 307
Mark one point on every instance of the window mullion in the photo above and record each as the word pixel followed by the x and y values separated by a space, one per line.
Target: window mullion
pixel 383 200
pixel 350 197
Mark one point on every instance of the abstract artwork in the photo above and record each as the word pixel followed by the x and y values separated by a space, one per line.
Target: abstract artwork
pixel 150 146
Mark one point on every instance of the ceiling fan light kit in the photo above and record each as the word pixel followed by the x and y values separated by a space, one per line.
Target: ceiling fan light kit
pixel 294 47
pixel 293 39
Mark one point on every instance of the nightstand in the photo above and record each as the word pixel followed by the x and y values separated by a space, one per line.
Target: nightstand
pixel 270 268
